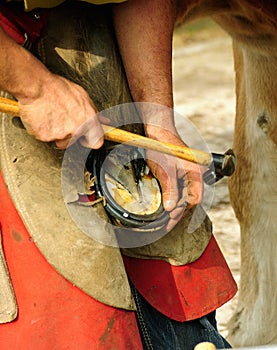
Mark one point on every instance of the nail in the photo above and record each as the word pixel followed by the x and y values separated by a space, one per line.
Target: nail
pixel 169 204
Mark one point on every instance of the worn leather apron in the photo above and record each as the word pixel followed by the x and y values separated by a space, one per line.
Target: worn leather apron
pixel 32 169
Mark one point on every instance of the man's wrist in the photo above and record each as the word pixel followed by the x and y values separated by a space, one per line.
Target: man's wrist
pixel 23 75
pixel 161 132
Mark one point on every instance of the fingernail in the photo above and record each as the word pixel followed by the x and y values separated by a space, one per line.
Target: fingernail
pixel 95 144
pixel 169 204
pixel 98 144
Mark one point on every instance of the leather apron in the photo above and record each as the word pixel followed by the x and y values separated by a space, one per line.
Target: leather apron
pixel 32 169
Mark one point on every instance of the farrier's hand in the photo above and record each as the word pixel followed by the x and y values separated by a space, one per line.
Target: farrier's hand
pixel 180 180
pixel 51 107
pixel 61 110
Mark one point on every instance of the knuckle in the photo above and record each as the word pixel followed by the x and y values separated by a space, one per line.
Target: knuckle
pixel 43 137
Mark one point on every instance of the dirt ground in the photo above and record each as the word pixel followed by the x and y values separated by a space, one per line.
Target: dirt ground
pixel 205 95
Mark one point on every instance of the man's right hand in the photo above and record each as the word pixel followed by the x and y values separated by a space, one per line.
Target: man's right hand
pixel 63 110
pixel 51 107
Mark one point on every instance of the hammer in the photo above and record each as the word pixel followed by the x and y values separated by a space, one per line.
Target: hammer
pixel 219 165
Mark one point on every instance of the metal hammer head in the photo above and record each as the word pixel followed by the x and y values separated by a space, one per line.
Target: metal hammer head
pixel 221 165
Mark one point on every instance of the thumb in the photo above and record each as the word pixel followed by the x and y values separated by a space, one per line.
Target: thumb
pixel 90 142
pixel 92 135
pixel 170 193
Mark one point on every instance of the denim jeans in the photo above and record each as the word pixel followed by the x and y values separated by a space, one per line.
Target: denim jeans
pixel 158 332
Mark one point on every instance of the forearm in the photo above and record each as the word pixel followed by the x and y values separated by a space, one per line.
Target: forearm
pixel 52 108
pixel 144 31
pixel 21 74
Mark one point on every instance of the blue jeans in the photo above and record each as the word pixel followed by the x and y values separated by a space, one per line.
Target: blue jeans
pixel 158 332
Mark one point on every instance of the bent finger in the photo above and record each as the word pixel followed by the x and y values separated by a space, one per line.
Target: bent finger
pixel 91 134
pixel 194 186
pixel 170 191
pixel 91 142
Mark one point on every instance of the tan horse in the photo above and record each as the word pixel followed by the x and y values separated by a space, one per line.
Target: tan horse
pixel 253 188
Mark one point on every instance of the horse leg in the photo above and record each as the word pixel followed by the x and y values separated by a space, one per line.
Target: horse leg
pixel 253 192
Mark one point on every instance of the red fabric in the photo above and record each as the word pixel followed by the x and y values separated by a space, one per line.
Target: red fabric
pixel 54 314
pixel 16 23
pixel 185 292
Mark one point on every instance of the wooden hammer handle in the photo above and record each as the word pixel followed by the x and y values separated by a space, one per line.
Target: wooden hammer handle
pixel 9 106
pixel 121 136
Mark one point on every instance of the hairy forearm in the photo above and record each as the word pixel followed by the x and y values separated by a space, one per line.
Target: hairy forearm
pixel 52 108
pixel 144 30
pixel 21 74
